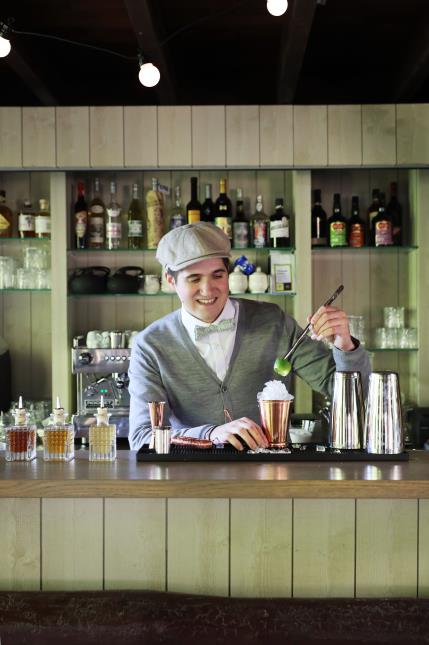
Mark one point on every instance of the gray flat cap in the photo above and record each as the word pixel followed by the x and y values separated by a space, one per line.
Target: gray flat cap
pixel 191 243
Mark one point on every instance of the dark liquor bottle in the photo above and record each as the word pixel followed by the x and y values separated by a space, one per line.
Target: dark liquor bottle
pixel 279 226
pixel 240 225
pixel 394 209
pixel 373 207
pixel 178 217
pixel 26 220
pixel 223 210
pixel 135 221
pixel 6 216
pixel 193 208
pixel 382 228
pixel 208 207
pixel 260 223
pixel 356 226
pixel 80 217
pixel 337 225
pixel 319 235
pixel 96 219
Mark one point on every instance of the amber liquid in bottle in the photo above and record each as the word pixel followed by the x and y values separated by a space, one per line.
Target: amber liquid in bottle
pixel 6 217
pixel 102 438
pixel 20 437
pixel 42 222
pixel 58 438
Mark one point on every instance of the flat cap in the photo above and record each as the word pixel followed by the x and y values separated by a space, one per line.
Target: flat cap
pixel 192 243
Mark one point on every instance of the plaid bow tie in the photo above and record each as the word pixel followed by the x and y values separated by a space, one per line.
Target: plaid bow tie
pixel 224 325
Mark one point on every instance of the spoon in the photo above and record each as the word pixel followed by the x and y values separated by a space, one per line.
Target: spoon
pixel 282 366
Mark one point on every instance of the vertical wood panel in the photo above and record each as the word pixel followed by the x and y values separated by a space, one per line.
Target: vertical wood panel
pixel 323 548
pixel 72 544
pixel 242 135
pixel 174 136
pixel 38 137
pixel 423 554
pixel 141 136
pixel 106 136
pixel 386 547
pixel 378 135
pixel 310 135
pixel 208 136
pixel 41 357
pixel 11 137
pixel 412 122
pixel 276 132
pixel 20 544
pixel 72 137
pixel 135 549
pixel 197 545
pixel 261 547
pixel 344 135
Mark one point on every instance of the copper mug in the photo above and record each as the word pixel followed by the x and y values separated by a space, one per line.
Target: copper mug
pixel 275 421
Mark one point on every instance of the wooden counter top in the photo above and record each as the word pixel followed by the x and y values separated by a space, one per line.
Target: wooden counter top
pixel 127 478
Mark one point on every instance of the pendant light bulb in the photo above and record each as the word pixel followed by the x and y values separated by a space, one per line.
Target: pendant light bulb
pixel 277 7
pixel 4 47
pixel 149 75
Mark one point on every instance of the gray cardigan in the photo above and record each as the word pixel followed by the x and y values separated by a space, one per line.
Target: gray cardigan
pixel 166 366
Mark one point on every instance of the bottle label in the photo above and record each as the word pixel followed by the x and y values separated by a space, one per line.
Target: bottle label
pixel 4 223
pixel 43 224
pixel 177 220
pixel 337 234
pixel 194 216
pixel 155 226
pixel 383 233
pixel 113 230
pixel 357 237
pixel 240 235
pixel 81 222
pixel 97 209
pixel 279 228
pixel 135 228
pixel 259 233
pixel 96 230
pixel 26 222
pixel 113 212
pixel 225 224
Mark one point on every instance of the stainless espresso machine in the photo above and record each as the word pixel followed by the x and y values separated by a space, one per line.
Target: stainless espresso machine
pixel 101 372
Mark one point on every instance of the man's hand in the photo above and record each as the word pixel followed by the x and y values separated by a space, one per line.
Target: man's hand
pixel 331 324
pixel 245 428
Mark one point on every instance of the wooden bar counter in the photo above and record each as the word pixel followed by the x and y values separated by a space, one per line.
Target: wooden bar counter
pixel 313 529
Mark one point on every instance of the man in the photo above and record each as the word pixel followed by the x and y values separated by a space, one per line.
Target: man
pixel 209 359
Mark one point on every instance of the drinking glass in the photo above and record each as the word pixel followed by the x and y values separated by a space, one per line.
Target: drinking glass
pixel 35 258
pixel 380 338
pixel 407 338
pixel 394 317
pixel 357 328
pixel 7 266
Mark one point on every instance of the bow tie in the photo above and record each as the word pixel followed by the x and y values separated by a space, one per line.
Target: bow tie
pixel 224 325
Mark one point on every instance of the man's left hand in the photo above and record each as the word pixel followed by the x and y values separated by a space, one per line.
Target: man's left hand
pixel 331 324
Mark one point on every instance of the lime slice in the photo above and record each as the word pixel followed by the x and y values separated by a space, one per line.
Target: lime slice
pixel 282 366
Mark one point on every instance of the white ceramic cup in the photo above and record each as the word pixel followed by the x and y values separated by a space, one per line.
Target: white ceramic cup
pixel 94 339
pixel 151 284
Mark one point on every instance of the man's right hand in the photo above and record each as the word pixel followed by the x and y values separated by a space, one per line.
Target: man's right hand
pixel 249 431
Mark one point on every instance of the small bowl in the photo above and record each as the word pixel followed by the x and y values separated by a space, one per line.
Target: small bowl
pixel 297 435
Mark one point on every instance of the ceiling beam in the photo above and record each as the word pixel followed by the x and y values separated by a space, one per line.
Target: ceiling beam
pixel 143 24
pixel 414 70
pixel 296 32
pixel 30 78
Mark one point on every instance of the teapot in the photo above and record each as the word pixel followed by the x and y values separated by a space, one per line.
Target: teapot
pixel 125 280
pixel 88 280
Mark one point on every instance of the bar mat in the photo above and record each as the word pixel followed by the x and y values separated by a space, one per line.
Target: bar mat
pixel 229 453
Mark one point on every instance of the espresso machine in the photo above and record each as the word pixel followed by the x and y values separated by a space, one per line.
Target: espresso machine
pixel 101 371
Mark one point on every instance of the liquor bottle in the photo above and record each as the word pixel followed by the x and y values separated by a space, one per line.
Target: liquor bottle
pixel 193 208
pixel 382 228
pixel 373 207
pixel 260 223
pixel 102 437
pixel 356 226
pixel 6 217
pixel 135 220
pixel 223 210
pixel 337 224
pixel 319 236
pixel 42 220
pixel 240 225
pixel 58 437
pixel 394 209
pixel 178 217
pixel 20 436
pixel 81 217
pixel 155 215
pixel 26 224
pixel 113 222
pixel 208 207
pixel 96 219
pixel 279 226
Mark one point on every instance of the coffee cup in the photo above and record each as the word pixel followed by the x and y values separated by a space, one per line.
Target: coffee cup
pixel 94 339
pixel 151 284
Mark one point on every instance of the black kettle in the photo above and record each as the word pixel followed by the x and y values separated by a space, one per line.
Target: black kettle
pixel 89 280
pixel 125 280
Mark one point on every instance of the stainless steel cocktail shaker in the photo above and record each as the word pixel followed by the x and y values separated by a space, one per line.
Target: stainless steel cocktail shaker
pixel 384 430
pixel 347 412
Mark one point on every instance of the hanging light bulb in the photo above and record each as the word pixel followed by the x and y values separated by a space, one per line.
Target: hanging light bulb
pixel 149 75
pixel 4 42
pixel 276 7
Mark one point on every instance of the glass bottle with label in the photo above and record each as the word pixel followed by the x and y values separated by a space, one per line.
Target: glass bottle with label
pixel 356 226
pixel 43 220
pixel 382 229
pixel 394 209
pixel 337 224
pixel 279 226
pixel 240 225
pixel 223 210
pixel 102 437
pixel 113 222
pixel 193 208
pixel 20 436
pixel 26 224
pixel 208 207
pixel 96 219
pixel 6 217
pixel 260 224
pixel 58 437
pixel 135 221
pixel 155 215
pixel 373 207
pixel 81 217
pixel 178 217
pixel 319 236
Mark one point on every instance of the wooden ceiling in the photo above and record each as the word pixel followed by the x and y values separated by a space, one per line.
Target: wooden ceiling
pixel 217 52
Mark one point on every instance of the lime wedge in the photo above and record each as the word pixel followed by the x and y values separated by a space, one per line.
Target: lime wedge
pixel 282 366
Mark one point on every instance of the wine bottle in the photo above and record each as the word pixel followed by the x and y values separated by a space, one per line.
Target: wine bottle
pixel 356 226
pixel 6 217
pixel 96 219
pixel 42 220
pixel 223 210
pixel 81 217
pixel 178 217
pixel 279 226
pixel 337 224
pixel 394 210
pixel 319 220
pixel 26 226
pixel 382 228
pixel 373 207
pixel 113 223
pixel 155 215
pixel 135 220
pixel 193 208
pixel 259 225
pixel 208 207
pixel 240 225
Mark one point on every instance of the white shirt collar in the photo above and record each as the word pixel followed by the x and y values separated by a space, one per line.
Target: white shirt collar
pixel 190 322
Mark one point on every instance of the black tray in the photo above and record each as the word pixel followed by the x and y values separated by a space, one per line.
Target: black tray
pixel 229 453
